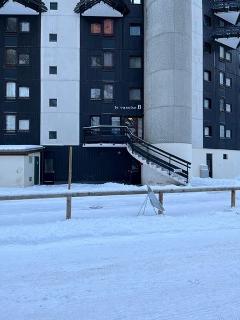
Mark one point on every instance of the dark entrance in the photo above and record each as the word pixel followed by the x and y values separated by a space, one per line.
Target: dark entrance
pixel 210 164
pixel 36 170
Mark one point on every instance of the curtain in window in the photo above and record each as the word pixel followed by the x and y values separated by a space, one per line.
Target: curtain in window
pixel 23 125
pixel 108 92
pixel 24 59
pixel 23 92
pixel 95 93
pixel 10 123
pixel 11 57
pixel 11 90
pixel 108 59
pixel 96 28
pixel 108 26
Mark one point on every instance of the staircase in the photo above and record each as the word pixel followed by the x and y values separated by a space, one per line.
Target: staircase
pixel 168 165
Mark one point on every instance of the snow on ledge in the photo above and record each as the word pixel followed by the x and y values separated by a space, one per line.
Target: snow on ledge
pixel 19 148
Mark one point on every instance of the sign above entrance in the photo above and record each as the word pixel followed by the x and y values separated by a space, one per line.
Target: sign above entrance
pixel 138 107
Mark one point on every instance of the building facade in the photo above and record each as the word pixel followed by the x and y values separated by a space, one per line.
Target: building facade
pixel 139 89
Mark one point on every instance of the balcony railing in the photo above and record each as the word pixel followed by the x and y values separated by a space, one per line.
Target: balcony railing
pixel 168 162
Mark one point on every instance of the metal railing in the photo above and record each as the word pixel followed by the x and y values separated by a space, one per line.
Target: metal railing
pixel 68 195
pixel 226 5
pixel 226 32
pixel 171 164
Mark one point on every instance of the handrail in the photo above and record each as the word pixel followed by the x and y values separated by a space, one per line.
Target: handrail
pixel 152 154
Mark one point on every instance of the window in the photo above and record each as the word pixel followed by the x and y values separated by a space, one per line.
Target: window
pixel 52 37
pixel 207 21
pixel 228 82
pixel 95 121
pixel 10 123
pixel 52 135
pixel 228 56
pixel 11 25
pixel 135 30
pixel 24 26
pixel 108 27
pixel 221 52
pixel 53 103
pixel 23 125
pixel 11 90
pixel 135 94
pixel 53 6
pixel 221 78
pixel 225 156
pixel 108 92
pixel 222 105
pixel 228 134
pixel 228 107
pixel 222 131
pixel 207 103
pixel 135 62
pixel 136 1
pixel 11 57
pixel 96 28
pixel 96 61
pixel 108 59
pixel 207 75
pixel 24 92
pixel 95 93
pixel 116 122
pixel 24 59
pixel 53 70
pixel 208 131
pixel 207 47
pixel 221 23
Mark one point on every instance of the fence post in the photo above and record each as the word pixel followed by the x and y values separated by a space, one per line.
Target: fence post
pixel 233 198
pixel 161 201
pixel 69 208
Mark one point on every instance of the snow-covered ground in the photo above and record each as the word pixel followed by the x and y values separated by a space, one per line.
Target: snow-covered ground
pixel 108 263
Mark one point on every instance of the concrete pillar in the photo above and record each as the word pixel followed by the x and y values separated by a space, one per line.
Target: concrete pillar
pixel 168 77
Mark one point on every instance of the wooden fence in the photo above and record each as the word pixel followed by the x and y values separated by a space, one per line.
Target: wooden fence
pixel 160 191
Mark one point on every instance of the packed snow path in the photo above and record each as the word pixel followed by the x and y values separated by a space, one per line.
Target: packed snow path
pixel 109 264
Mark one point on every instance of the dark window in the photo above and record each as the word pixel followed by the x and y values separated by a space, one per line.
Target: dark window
pixel 135 62
pixel 222 104
pixel 11 57
pixel 207 47
pixel 207 20
pixel 52 102
pixel 135 30
pixel 116 122
pixel 53 6
pixel 52 37
pixel 11 25
pixel 225 156
pixel 52 135
pixel 135 94
pixel 24 59
pixel 53 70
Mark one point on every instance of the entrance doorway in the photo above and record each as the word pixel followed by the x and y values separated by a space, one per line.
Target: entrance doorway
pixel 36 170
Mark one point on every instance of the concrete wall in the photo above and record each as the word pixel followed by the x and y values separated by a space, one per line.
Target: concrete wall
pixel 65 86
pixel 222 169
pixel 197 74
pixel 17 171
pixel 168 74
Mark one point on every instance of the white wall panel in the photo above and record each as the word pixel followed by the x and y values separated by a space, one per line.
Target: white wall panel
pixel 65 86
